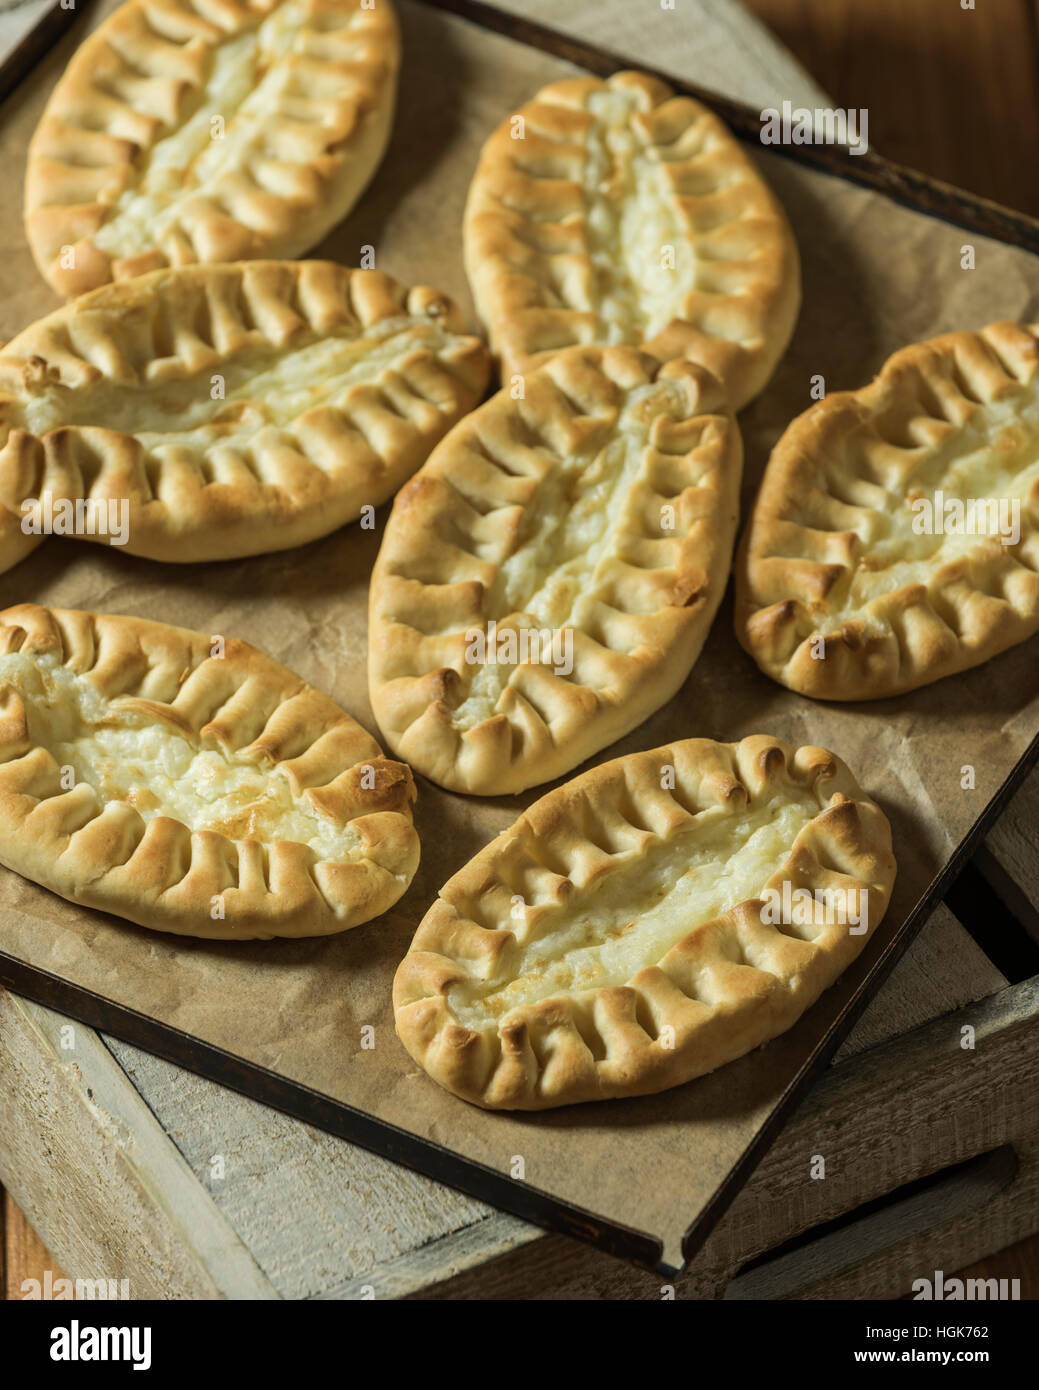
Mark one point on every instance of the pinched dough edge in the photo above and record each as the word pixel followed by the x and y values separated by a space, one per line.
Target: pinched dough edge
pixel 304 480
pixel 637 634
pixel 728 986
pixel 160 874
pixel 132 81
pixel 527 242
pixel 803 540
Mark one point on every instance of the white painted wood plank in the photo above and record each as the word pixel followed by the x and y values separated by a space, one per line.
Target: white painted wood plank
pixel 315 1211
pixel 97 1175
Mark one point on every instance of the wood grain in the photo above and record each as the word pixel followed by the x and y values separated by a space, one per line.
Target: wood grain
pixel 1014 843
pixel 105 1153
pixel 1020 1261
pixel 23 1254
pixel 950 91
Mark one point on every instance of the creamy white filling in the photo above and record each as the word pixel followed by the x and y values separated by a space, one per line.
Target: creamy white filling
pixel 644 263
pixel 244 85
pixel 634 915
pixel 569 533
pixel 261 388
pixel 161 771
pixel 994 457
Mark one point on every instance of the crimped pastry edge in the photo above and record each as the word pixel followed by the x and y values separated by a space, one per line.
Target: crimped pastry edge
pixel 920 646
pixel 569 1049
pixel 68 153
pixel 318 485
pixel 159 874
pixel 525 326
pixel 516 748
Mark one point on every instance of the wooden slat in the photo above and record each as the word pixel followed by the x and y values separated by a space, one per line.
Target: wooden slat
pixel 1014 844
pixel 906 1109
pixel 78 1145
pixel 942 970
pixel 1017 1261
pixel 286 1186
pixel 898 1112
pixel 822 1261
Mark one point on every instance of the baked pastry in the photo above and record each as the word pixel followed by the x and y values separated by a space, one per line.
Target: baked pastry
pixel 183 133
pixel 548 578
pixel 191 785
pixel 229 410
pixel 645 923
pixel 895 538
pixel 616 212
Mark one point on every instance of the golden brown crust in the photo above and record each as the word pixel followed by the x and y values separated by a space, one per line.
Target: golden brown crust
pixel 850 584
pixel 85 837
pixel 259 405
pixel 617 212
pixel 602 505
pixel 182 133
pixel 599 848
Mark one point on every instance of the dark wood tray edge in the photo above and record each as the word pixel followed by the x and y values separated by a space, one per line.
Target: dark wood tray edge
pixel 910 187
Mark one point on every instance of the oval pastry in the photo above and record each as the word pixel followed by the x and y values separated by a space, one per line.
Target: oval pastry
pixel 183 133
pixel 547 580
pixel 227 410
pixel 895 538
pixel 616 212
pixel 645 923
pixel 189 784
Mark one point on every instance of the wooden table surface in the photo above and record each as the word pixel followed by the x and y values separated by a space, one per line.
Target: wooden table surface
pixel 951 91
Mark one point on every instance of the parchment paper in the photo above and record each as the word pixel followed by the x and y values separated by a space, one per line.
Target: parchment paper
pixel 876 276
